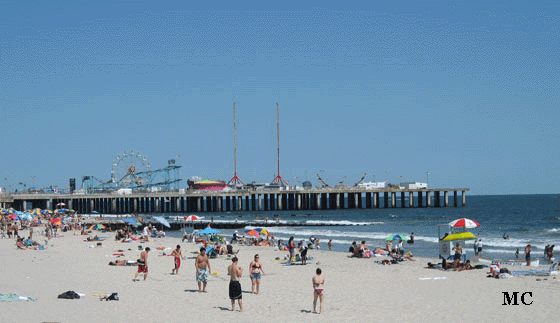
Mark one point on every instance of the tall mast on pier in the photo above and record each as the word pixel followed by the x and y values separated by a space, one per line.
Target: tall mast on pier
pixel 278 180
pixel 235 180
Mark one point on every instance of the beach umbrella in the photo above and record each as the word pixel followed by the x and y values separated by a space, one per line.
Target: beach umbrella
pixel 464 223
pixel 262 231
pixel 252 233
pixel 460 236
pixel 193 217
pixel 132 221
pixel 94 212
pixel 60 204
pixel 162 220
pixel 396 237
pixel 13 216
pixel 99 226
pixel 208 231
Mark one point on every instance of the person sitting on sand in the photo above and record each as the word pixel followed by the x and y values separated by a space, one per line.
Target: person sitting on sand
pixel 408 256
pixel 20 245
pixel 466 266
pixel 364 250
pixel 354 249
pixel 280 245
pixel 389 246
pixel 220 248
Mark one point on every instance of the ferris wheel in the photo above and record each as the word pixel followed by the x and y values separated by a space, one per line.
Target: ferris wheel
pixel 130 169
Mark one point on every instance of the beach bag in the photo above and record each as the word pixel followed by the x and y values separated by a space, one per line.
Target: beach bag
pixel 113 297
pixel 69 295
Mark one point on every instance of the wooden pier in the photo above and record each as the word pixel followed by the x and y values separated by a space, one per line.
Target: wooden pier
pixel 239 200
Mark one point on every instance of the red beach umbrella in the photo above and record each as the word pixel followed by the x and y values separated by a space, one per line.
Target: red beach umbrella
pixel 252 233
pixel 192 218
pixel 464 223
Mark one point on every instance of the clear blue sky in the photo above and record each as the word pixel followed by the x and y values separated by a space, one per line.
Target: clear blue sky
pixel 467 90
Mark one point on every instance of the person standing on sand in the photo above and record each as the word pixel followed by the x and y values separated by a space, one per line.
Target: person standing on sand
pixel 318 290
pixel 330 245
pixel 143 264
pixel 291 247
pixel 235 272
pixel 458 254
pixel 528 254
pixel 202 266
pixel 178 256
pixel 475 246
pixel 256 270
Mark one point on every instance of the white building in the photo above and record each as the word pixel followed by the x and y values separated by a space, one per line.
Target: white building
pixel 371 185
pixel 413 185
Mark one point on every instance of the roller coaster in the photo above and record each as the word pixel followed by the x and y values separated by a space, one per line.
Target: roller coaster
pixel 131 170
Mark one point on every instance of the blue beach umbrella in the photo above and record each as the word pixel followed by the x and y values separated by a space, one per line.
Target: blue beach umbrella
pixel 162 220
pixel 209 231
pixel 132 221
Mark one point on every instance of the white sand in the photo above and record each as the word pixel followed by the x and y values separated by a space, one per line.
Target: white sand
pixel 356 289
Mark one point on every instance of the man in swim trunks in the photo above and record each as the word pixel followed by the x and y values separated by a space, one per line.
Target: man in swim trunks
pixel 143 264
pixel 178 256
pixel 202 266
pixel 318 290
pixel 235 272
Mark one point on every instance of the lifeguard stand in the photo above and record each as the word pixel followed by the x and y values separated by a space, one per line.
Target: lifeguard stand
pixel 446 247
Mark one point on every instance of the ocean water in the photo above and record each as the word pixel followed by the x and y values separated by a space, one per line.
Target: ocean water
pixel 527 219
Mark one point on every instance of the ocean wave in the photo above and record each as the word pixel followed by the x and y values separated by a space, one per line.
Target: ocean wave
pixel 340 222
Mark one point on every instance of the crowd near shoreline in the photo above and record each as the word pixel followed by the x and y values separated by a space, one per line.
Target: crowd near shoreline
pixel 157 277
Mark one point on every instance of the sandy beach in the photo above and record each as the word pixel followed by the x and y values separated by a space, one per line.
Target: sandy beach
pixel 356 289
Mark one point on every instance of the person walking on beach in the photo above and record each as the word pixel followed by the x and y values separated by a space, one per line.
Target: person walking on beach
pixel 318 290
pixel 235 272
pixel 143 264
pixel 330 245
pixel 256 270
pixel 178 256
pixel 528 254
pixel 202 266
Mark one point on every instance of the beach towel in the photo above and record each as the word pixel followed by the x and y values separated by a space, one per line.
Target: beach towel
pixel 16 298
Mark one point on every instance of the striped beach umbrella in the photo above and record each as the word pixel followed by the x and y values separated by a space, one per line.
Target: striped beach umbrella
pixel 464 223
